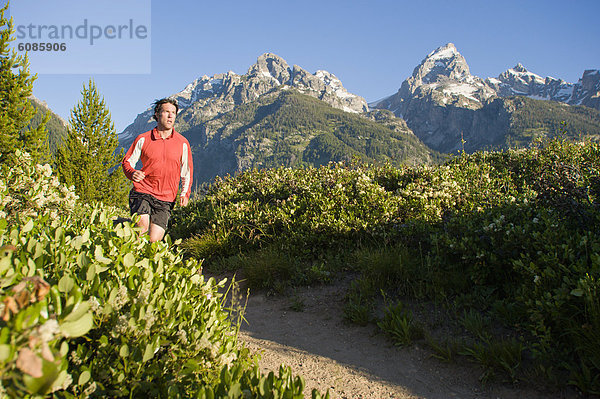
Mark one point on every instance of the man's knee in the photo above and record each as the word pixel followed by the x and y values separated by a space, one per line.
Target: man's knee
pixel 156 233
pixel 144 223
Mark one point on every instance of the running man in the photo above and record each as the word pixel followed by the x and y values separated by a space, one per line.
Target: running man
pixel 166 163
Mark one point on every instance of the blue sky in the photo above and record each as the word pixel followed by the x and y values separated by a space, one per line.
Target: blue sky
pixel 371 46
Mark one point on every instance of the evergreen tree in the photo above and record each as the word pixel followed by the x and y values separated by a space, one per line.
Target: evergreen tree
pixel 16 84
pixel 89 159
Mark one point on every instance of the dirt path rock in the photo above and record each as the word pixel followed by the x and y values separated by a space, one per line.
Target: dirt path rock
pixel 356 362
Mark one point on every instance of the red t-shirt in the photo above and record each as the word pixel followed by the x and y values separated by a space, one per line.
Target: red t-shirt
pixel 165 162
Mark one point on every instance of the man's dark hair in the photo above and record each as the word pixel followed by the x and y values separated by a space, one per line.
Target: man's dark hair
pixel 159 103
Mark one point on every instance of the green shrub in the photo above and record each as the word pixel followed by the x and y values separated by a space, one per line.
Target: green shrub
pixel 534 252
pixel 303 213
pixel 30 191
pixel 92 309
pixel 512 234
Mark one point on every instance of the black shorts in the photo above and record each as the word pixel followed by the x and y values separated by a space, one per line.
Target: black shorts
pixel 146 204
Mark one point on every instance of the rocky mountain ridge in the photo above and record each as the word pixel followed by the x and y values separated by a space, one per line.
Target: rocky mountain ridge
pixel 441 103
pixel 444 104
pixel 518 81
pixel 211 96
pixel 43 104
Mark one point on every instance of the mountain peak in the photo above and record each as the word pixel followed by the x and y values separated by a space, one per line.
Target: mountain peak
pixel 520 68
pixel 271 65
pixel 211 96
pixel 447 51
pixel 443 62
pixel 520 79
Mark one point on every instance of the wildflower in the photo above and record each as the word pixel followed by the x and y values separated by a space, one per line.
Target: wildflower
pixel 150 318
pixel 47 330
pixel 94 304
pixel 90 389
pixel 66 383
pixel 121 326
pixel 214 349
pixel 143 295
pixel 203 343
pixel 227 360
pixel 121 298
pixel 182 335
pixel 75 359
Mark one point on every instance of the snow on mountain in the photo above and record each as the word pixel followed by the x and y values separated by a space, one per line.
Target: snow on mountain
pixel 444 76
pixel 275 72
pixel 441 100
pixel 210 96
pixel 521 74
pixel 444 61
pixel 518 81
pixel 199 89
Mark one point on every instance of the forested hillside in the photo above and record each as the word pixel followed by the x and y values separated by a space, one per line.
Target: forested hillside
pixel 55 127
pixel 288 128
pixel 533 119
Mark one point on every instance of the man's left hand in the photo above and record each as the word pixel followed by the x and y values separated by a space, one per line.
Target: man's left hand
pixel 183 201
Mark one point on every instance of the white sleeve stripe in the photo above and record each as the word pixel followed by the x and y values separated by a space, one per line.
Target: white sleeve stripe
pixel 137 152
pixel 185 171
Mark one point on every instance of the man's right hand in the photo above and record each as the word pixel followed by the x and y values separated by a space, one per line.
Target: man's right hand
pixel 138 176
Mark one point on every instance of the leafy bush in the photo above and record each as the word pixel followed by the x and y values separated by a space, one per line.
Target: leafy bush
pixel 92 309
pixel 302 212
pixel 530 243
pixel 512 234
pixel 30 191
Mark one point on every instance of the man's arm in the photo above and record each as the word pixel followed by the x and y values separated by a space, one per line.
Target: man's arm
pixel 131 159
pixel 187 174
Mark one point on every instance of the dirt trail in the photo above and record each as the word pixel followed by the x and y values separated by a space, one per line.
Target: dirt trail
pixel 357 362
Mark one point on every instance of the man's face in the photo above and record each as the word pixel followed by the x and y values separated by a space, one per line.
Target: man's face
pixel 166 116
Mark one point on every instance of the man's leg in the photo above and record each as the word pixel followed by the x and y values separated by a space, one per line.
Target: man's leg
pixel 154 214
pixel 138 203
pixel 144 223
pixel 159 219
pixel 156 232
